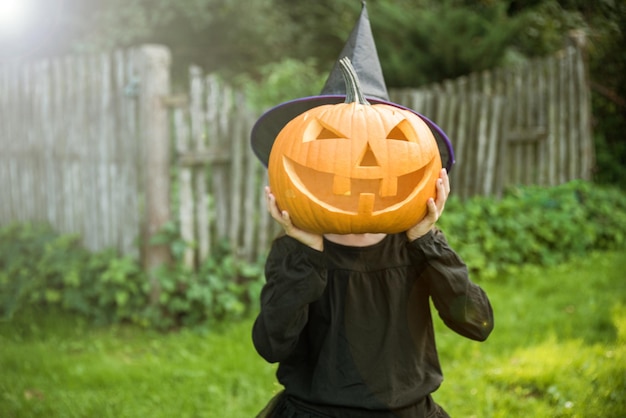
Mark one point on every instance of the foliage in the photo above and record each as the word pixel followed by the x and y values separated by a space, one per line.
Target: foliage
pixel 556 351
pixel 279 82
pixel 443 41
pixel 219 35
pixel 322 28
pixel 545 28
pixel 607 69
pixel 611 157
pixel 222 288
pixel 419 41
pixel 41 267
pixel 535 225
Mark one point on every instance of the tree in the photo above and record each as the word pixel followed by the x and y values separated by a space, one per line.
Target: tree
pixel 440 41
pixel 220 35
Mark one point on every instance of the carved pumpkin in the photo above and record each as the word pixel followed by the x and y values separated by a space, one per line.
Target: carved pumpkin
pixel 354 167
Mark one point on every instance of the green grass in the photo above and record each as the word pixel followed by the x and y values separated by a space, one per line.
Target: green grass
pixel 58 366
pixel 558 350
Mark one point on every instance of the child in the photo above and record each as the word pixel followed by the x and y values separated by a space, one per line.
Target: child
pixel 348 318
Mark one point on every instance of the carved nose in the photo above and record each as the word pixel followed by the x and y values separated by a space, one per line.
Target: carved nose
pixel 369 159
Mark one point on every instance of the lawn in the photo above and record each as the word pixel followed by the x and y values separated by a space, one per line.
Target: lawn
pixel 558 350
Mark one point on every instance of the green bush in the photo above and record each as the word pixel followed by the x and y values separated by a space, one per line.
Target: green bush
pixel 535 225
pixel 528 226
pixel 40 266
pixel 222 287
pixel 282 81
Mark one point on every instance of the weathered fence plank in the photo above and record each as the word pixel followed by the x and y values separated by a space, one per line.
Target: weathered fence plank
pixel 584 115
pixel 155 129
pixel 185 186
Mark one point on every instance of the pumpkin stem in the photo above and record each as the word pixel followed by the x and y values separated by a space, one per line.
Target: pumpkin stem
pixel 353 86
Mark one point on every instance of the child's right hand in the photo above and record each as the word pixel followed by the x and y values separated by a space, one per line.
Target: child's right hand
pixel 314 241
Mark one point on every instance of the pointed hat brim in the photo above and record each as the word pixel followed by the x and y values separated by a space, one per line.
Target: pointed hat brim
pixel 361 50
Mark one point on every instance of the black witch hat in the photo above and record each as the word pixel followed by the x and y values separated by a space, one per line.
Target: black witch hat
pixel 361 50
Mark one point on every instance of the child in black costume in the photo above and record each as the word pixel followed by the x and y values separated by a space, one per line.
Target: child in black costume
pixel 348 318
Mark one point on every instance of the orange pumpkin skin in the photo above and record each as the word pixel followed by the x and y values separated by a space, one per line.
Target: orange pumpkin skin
pixel 354 168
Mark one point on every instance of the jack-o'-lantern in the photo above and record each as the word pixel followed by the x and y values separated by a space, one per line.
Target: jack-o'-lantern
pixel 354 167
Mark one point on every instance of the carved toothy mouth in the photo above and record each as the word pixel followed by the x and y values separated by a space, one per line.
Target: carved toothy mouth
pixel 338 194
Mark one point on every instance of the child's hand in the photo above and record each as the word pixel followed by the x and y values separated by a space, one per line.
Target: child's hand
pixel 314 241
pixel 435 208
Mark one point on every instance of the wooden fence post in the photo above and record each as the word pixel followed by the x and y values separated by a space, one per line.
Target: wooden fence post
pixel 155 86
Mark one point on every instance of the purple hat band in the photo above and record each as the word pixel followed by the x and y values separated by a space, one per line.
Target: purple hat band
pixel 269 125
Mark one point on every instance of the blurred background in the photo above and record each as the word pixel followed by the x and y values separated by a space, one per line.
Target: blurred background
pixel 419 42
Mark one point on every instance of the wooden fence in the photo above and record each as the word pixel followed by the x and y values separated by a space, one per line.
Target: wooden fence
pixel 68 148
pixel 80 139
pixel 85 145
pixel 526 125
pixel 219 180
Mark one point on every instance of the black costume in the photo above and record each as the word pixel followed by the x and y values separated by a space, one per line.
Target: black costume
pixel 352 327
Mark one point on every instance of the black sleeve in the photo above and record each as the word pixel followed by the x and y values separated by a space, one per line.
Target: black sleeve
pixel 462 305
pixel 295 276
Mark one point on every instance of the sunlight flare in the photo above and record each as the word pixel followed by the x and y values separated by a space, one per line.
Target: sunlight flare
pixel 14 16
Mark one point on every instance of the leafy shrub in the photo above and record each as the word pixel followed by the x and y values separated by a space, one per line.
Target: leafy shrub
pixel 282 81
pixel 529 225
pixel 222 287
pixel 535 225
pixel 40 266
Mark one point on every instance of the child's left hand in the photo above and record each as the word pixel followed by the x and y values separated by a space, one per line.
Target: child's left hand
pixel 435 208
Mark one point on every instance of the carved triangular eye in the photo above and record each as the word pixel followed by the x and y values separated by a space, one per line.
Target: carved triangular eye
pixel 319 130
pixel 327 133
pixel 403 131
